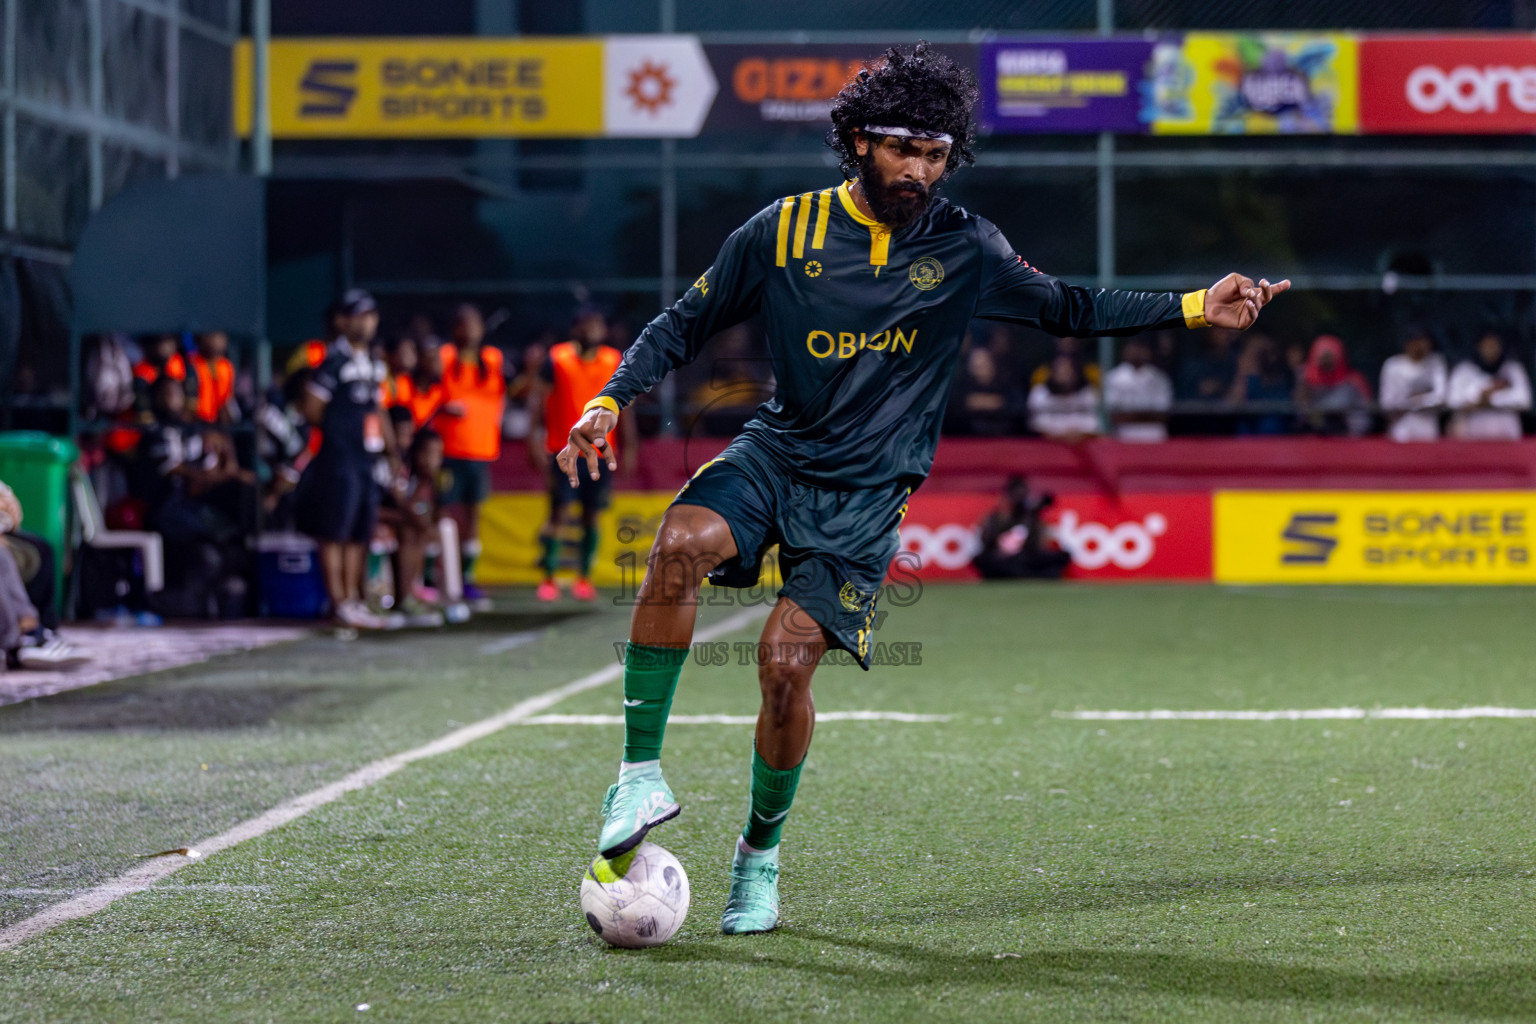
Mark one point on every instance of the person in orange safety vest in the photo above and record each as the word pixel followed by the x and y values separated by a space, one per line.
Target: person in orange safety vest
pixel 572 375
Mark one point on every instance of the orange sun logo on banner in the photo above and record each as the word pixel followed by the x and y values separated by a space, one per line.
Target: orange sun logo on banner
pixel 650 87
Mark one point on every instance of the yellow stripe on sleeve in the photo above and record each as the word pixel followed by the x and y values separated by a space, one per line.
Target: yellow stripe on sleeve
pixel 823 214
pixel 785 209
pixel 1194 309
pixel 802 222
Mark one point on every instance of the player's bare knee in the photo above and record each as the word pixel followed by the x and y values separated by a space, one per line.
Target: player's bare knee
pixel 785 684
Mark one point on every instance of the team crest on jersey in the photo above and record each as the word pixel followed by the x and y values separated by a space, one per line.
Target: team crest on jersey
pixel 850 596
pixel 812 268
pixel 926 273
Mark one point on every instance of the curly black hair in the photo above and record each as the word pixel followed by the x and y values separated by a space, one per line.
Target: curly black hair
pixel 920 89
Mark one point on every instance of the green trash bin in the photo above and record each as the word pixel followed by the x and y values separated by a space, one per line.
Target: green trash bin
pixel 36 466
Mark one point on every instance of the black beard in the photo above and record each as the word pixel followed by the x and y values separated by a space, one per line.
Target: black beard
pixel 895 206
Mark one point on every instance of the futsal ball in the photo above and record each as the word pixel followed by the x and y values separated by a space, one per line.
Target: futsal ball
pixel 637 899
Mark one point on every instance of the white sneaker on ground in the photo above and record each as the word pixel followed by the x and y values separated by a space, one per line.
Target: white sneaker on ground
pixel 357 615
pixel 50 651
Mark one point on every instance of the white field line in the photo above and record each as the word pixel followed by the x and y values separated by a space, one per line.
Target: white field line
pixel 1297 715
pixel 821 716
pixel 510 642
pixel 151 871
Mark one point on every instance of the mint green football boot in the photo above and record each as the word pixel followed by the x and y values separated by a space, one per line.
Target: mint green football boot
pixel 753 905
pixel 637 803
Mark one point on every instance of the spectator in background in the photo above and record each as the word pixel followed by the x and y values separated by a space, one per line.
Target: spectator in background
pixel 574 372
pixel 986 403
pixel 469 420
pixel 520 416
pixel 1488 393
pixel 162 358
pixel 400 365
pixel 1263 376
pixel 406 507
pixel 190 483
pixel 1066 406
pixel 312 353
pixel 1334 396
pixel 1071 348
pixel 337 501
pixel 1013 540
pixel 286 446
pixel 27 634
pixel 1413 389
pixel 1138 395
pixel 1206 375
pixel 211 384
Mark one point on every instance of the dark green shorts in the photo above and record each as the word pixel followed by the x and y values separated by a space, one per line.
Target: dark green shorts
pixel 469 481
pixel 834 546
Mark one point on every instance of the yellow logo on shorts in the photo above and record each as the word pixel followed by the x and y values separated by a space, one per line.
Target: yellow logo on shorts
pixel 813 268
pixel 850 597
pixel 926 274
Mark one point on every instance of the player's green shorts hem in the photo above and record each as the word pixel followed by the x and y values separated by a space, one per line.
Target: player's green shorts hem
pixel 469 481
pixel 834 546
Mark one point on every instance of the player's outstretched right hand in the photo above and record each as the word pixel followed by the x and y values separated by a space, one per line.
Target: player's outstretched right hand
pixel 589 441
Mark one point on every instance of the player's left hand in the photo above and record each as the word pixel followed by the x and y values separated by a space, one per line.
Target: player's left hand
pixel 1235 300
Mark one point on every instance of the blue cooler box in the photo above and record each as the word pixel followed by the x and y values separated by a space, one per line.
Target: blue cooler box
pixel 292 584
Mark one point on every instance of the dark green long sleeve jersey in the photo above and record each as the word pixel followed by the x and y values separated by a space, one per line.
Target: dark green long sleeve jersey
pixel 865 327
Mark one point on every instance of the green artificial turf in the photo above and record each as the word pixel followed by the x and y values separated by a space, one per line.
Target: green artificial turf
pixel 1003 865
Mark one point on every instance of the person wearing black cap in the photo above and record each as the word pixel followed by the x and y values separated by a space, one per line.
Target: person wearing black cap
pixel 337 501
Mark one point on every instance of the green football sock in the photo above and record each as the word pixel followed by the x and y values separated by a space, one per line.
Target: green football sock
pixel 551 559
pixel 650 680
pixel 773 790
pixel 588 551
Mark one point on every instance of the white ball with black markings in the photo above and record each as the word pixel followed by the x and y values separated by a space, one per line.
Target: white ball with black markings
pixel 637 899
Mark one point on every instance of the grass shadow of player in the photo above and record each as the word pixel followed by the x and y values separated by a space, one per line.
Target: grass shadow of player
pixel 1073 895
pixel 1503 990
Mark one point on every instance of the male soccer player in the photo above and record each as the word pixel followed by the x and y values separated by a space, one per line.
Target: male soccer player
pixel 865 291
pixel 572 375
pixel 336 501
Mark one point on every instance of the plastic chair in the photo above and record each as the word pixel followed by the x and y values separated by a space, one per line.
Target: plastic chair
pixel 94 533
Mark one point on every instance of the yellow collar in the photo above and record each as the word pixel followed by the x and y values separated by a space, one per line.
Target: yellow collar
pixel 845 194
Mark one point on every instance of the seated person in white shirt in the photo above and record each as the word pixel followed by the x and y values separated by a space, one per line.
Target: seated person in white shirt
pixel 1138 395
pixel 1488 392
pixel 1413 386
pixel 1066 406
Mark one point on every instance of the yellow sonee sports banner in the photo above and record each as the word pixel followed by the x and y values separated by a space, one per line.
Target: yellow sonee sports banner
pixel 509 536
pixel 1375 537
pixel 422 88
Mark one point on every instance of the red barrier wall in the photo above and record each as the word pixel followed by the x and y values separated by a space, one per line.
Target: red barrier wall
pixel 980 465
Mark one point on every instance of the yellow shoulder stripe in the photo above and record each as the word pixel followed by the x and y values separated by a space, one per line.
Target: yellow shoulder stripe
pixel 802 221
pixel 823 214
pixel 786 207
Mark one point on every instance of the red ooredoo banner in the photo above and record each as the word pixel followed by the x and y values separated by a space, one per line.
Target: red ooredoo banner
pixel 1456 84
pixel 1136 536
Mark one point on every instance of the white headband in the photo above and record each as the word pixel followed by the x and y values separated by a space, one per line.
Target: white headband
pixel 911 133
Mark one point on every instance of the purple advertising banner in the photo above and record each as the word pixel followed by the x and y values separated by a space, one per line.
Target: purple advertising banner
pixel 1066 85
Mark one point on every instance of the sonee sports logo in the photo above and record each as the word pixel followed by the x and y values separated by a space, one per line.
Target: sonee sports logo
pixel 1310 539
pixel 1129 545
pixel 328 88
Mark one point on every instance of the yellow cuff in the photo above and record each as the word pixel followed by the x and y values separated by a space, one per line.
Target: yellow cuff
pixel 1194 309
pixel 604 402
